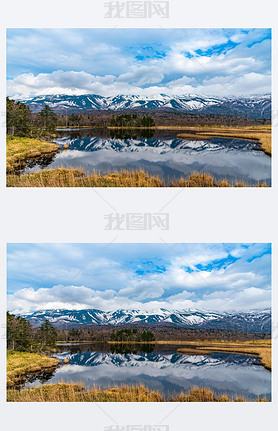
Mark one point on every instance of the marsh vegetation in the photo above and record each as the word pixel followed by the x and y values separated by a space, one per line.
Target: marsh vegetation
pixel 131 150
pixel 66 392
pixel 134 363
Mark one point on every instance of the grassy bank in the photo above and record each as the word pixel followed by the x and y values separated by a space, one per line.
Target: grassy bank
pixel 65 392
pixel 20 149
pixel 76 178
pixel 261 134
pixel 261 349
pixel 21 363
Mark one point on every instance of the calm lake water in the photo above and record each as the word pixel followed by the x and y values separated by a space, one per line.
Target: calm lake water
pixel 159 153
pixel 159 368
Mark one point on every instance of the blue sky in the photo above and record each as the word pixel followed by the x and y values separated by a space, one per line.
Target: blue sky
pixel 217 277
pixel 217 62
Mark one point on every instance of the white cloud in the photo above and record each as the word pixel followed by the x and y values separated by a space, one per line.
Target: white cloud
pixel 77 83
pixel 142 75
pixel 81 297
pixel 107 69
pixel 77 276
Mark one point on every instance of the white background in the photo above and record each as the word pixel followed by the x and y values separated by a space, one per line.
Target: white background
pixel 196 215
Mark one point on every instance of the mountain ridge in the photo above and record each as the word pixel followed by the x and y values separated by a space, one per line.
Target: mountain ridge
pixel 257 106
pixel 249 321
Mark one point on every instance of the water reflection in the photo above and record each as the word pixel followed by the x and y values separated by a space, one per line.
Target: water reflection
pixel 125 349
pixel 160 153
pixel 36 163
pixel 36 378
pixel 42 376
pixel 161 368
pixel 131 134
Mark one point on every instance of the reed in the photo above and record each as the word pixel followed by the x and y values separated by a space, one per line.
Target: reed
pixel 76 178
pixel 76 392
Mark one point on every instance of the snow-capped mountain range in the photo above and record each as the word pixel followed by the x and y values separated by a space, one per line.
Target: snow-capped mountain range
pixel 252 106
pixel 251 321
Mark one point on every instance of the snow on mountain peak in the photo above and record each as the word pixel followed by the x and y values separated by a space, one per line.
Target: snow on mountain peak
pixel 253 106
pixel 254 320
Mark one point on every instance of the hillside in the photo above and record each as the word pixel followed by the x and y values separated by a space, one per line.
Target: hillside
pixel 258 321
pixel 251 107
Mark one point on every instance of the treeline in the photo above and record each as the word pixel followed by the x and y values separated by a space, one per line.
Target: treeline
pixel 162 332
pixel 132 335
pixel 106 118
pixel 21 336
pixel 92 334
pixel 132 120
pixel 21 121
pixel 83 334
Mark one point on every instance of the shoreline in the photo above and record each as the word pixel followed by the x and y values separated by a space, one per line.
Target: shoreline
pixel 260 134
pixel 257 133
pixel 19 150
pixel 21 364
pixel 262 350
pixel 259 349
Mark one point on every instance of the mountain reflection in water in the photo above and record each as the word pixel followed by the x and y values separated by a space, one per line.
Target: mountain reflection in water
pixel 160 154
pixel 160 368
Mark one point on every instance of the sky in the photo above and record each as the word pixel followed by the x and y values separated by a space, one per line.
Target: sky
pixel 146 62
pixel 217 277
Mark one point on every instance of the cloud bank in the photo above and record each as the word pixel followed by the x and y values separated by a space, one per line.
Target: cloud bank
pixel 217 62
pixel 219 277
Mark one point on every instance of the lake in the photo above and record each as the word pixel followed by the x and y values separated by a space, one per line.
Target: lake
pixel 159 367
pixel 159 153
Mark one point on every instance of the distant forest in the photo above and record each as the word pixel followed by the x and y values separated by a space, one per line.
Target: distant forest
pixel 152 118
pixel 22 336
pixel 151 332
pixel 21 121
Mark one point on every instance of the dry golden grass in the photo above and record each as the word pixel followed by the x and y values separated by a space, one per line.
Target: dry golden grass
pixel 62 392
pixel 197 394
pixel 261 134
pixel 259 348
pixel 21 363
pixel 76 178
pixel 66 392
pixel 196 179
pixel 19 149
